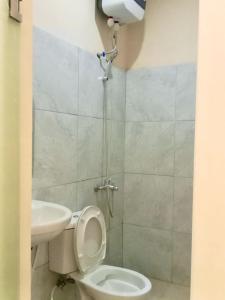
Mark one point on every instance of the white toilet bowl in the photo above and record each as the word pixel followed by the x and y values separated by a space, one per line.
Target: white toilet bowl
pixel 112 283
pixel 78 253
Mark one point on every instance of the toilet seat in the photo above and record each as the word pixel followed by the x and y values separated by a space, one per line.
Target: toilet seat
pixel 90 239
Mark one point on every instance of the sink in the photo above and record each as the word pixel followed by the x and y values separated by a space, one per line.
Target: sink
pixel 48 221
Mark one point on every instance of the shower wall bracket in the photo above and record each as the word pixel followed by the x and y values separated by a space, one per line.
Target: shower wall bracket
pixel 14 10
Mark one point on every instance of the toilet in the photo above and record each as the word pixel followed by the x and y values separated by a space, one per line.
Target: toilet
pixel 79 251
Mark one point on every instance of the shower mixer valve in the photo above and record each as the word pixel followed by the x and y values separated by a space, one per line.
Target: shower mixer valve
pixel 108 185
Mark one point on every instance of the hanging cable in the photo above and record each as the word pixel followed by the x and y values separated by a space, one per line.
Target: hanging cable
pixel 53 292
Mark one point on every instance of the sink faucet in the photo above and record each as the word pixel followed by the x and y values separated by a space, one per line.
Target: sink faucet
pixel 108 185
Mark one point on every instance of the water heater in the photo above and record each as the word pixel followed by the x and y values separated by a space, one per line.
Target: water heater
pixel 123 11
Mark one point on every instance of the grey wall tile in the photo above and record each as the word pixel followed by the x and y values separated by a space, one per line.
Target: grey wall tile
pixel 90 141
pixel 167 291
pixel 55 73
pixel 150 94
pixel 55 149
pixel 183 194
pixel 42 283
pixel 155 95
pixel 149 200
pixel 63 194
pixel 86 195
pixel 148 251
pixel 69 292
pixel 184 148
pixel 182 258
pixel 106 260
pixel 186 92
pixel 117 200
pixel 116 246
pixel 63 157
pixel 90 87
pixel 116 94
pixel 39 256
pixel 116 131
pixel 149 148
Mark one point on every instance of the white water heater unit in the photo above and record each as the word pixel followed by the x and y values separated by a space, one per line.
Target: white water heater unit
pixel 123 11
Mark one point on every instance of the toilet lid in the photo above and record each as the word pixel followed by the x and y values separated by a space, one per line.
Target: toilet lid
pixel 90 239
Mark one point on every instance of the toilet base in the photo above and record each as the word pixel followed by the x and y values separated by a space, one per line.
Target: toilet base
pixel 81 292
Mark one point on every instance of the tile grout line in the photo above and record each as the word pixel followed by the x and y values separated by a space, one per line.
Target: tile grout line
pixel 154 174
pixel 78 121
pixel 124 159
pixel 74 182
pixel 76 114
pixel 174 163
pixel 157 228
pixel 125 122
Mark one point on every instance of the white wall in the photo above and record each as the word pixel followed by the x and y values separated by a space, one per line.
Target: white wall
pixel 15 152
pixel 78 22
pixel 167 36
pixel 208 266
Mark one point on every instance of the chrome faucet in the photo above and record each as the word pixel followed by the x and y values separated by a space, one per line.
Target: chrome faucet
pixel 108 185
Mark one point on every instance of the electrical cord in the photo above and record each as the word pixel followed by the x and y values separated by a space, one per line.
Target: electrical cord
pixel 61 282
pixel 53 292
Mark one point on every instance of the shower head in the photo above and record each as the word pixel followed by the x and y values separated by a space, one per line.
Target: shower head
pixel 105 64
pixel 106 58
pixel 109 56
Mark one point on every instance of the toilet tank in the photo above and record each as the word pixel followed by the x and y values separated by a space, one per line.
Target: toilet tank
pixel 61 250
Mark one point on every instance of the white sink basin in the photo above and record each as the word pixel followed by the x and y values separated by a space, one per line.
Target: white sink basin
pixel 48 221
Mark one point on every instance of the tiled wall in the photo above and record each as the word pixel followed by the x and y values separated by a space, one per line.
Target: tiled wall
pixel 160 109
pixel 69 155
pixel 68 139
